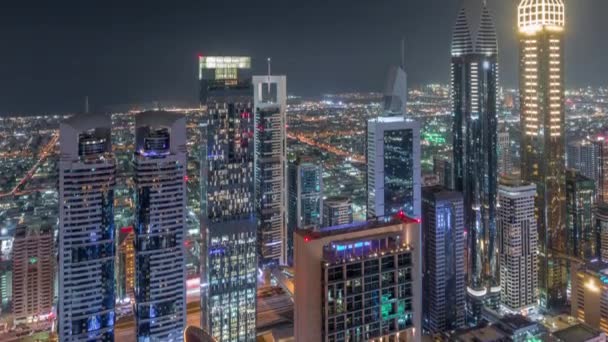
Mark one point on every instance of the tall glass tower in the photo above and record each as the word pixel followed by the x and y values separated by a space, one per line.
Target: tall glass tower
pixel 87 177
pixel 541 84
pixel 474 89
pixel 305 182
pixel 229 248
pixel 270 104
pixel 160 226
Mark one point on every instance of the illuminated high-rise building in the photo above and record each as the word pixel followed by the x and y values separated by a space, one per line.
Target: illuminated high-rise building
pixel 125 264
pixel 359 282
pixel 229 225
pixel 160 225
pixel 87 176
pixel 583 237
pixel 393 154
pixel 337 211
pixel 270 104
pixel 33 273
pixel 305 184
pixel 590 157
pixel 601 225
pixel 518 244
pixel 505 158
pixel 541 85
pixel 393 167
pixel 443 285
pixel 474 78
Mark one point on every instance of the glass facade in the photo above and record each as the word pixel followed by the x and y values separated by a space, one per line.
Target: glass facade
pixel 160 227
pixel 369 298
pixel 474 77
pixel 542 97
pixel 270 168
pixel 443 248
pixel 399 172
pixel 229 222
pixel 583 236
pixel 305 201
pixel 87 175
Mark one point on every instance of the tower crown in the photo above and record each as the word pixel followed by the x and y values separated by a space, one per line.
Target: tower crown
pixel 534 15
pixel 474 31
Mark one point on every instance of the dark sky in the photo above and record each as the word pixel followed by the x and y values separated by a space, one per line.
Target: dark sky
pixel 53 53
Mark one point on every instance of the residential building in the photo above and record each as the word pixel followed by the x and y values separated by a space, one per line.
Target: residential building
pixel 337 211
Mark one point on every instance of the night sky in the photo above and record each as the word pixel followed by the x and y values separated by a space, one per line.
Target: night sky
pixel 53 53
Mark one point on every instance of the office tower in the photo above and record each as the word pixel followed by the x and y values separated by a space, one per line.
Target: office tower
pixel 442 167
pixel 541 79
pixel 583 239
pixel 393 167
pixel 160 225
pixel 590 157
pixel 518 239
pixel 474 78
pixel 582 156
pixel 270 104
pixel 33 273
pixel 601 181
pixel 87 176
pixel 505 159
pixel 360 282
pixel 337 211
pixel 305 184
pixel 601 226
pixel 228 300
pixel 589 294
pixel 443 270
pixel 126 264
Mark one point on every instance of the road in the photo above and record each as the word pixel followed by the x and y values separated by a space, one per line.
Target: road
pixel 44 153
pixel 355 158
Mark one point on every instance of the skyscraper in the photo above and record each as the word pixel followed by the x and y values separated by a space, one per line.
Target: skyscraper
pixel 583 238
pixel 87 176
pixel 337 211
pixel 541 84
pixel 160 225
pixel 474 78
pixel 125 262
pixel 582 156
pixel 590 157
pixel 33 273
pixel 505 159
pixel 518 244
pixel 228 299
pixel 443 248
pixel 442 168
pixel 393 167
pixel 360 282
pixel 270 104
pixel 305 184
pixel 601 225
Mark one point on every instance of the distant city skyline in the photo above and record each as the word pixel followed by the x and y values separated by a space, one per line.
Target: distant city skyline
pixel 55 55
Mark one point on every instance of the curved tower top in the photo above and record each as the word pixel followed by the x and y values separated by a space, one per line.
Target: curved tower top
pixel 474 31
pixel 533 15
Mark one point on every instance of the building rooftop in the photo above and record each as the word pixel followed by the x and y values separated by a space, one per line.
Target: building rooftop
pixel 577 333
pixel 355 227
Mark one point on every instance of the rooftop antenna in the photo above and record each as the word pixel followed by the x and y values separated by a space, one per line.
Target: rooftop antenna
pixel 86 104
pixel 403 53
pixel 269 74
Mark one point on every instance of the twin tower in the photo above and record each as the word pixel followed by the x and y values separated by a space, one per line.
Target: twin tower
pixel 474 83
